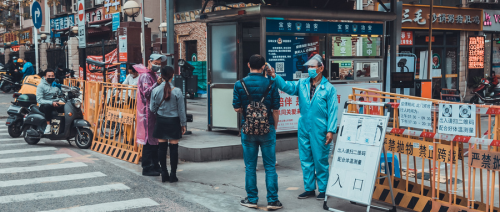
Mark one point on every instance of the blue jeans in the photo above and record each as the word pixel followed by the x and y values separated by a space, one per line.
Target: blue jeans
pixel 267 145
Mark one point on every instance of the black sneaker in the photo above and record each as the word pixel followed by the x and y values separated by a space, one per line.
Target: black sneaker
pixel 307 194
pixel 321 196
pixel 274 205
pixel 247 203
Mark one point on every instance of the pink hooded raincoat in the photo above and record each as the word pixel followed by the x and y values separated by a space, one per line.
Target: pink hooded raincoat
pixel 145 118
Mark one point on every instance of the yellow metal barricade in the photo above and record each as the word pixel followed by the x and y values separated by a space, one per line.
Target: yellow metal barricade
pixel 428 169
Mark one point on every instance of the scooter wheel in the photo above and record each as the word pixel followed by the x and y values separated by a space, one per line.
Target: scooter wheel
pixel 15 129
pixel 84 139
pixel 30 141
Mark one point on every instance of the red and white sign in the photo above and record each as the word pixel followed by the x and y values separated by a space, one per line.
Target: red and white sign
pixel 122 42
pixel 406 38
pixel 97 77
pixel 82 42
pixel 81 12
pixel 289 113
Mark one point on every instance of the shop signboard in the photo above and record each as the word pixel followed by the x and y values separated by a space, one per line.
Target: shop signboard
pixel 111 7
pixel 122 50
pixel 26 36
pixel 61 23
pixel 291 26
pixel 476 52
pixel 116 21
pixel 287 54
pixel 94 15
pixel 491 20
pixel 406 38
pixel 443 18
pixel 11 38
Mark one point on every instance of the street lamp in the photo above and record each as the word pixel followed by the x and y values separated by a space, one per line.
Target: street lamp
pixel 43 37
pixel 131 8
pixel 163 27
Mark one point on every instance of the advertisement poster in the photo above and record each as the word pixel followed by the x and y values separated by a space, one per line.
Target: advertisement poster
pixel 342 46
pixel 371 46
pixel 415 114
pixel 457 119
pixel 289 113
pixel 122 42
pixel 97 77
pixel 287 54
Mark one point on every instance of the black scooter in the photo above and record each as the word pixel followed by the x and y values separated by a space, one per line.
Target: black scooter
pixel 65 126
pixel 17 111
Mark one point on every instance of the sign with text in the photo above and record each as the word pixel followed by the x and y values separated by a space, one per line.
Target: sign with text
pixel 116 21
pixel 292 26
pixel 342 46
pixel 356 157
pixel 287 54
pixel 82 43
pixel 476 52
pixel 406 38
pixel 61 23
pixel 422 149
pixel 122 50
pixel 26 36
pixel 111 7
pixel 415 114
pixel 120 117
pixel 289 113
pixel 484 159
pixel 457 119
pixel 491 20
pixel 443 18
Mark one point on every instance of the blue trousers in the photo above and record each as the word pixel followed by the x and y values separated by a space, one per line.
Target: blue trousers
pixel 267 145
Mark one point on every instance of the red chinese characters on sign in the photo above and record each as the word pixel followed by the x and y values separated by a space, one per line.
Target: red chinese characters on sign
pixel 476 52
pixel 406 38
pixel 289 113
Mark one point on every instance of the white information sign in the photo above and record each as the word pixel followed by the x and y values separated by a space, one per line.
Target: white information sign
pixel 289 113
pixel 356 157
pixel 415 114
pixel 82 43
pixel 457 119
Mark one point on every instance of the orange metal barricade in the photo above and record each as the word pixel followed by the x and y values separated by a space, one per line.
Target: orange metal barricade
pixel 434 174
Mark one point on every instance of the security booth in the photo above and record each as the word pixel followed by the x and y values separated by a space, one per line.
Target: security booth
pixel 350 42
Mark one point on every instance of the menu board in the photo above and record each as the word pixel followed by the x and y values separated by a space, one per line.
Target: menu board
pixel 287 54
pixel 476 52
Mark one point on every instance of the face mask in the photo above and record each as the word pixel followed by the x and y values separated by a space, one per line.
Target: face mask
pixel 50 80
pixel 155 68
pixel 15 61
pixel 312 72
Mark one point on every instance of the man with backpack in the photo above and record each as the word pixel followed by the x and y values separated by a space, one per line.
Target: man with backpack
pixel 258 99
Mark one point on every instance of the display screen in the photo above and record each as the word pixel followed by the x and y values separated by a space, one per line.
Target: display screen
pixel 476 52
pixel 403 79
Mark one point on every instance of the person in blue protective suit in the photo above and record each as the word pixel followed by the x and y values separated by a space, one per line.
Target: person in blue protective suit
pixel 28 68
pixel 317 124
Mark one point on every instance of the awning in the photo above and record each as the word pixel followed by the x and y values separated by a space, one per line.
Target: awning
pixel 296 13
pixel 102 29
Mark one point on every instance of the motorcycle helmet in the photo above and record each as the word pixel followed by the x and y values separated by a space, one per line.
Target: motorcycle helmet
pixel 20 60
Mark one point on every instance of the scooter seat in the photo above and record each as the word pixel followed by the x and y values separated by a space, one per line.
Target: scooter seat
pixel 36 110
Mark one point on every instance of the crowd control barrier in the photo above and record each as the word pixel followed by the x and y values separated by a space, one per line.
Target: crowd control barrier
pixel 111 109
pixel 448 152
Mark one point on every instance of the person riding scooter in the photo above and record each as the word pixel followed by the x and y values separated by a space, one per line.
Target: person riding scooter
pixel 46 96
pixel 27 68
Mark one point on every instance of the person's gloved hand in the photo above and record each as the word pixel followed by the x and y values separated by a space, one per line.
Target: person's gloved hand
pixel 55 84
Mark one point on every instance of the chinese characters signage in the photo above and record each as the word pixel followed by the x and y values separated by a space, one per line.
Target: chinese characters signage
pixel 443 18
pixel 491 20
pixel 415 114
pixel 10 37
pixel 476 52
pixel 25 36
pixel 61 24
pixel 94 15
pixel 110 7
pixel 342 46
pixel 370 46
pixel 120 117
pixel 289 113
pixel 485 159
pixel 406 38
pixel 422 149
pixel 287 54
pixel 323 27
pixel 457 119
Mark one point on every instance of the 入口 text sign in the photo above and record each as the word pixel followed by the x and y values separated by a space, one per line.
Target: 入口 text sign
pixel 415 114
pixel 458 119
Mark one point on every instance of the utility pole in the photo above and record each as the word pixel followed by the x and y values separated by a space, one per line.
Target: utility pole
pixel 429 53
pixel 170 32
pixel 143 37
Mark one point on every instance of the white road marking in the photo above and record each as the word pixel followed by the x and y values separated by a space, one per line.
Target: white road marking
pixel 112 206
pixel 4 134
pixel 34 158
pixel 61 193
pixel 41 168
pixel 12 139
pixel 61 178
pixel 27 150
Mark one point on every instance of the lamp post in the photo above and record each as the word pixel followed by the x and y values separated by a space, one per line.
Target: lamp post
pixel 131 8
pixel 163 29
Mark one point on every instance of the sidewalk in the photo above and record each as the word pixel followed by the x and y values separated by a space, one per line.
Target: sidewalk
pixel 217 145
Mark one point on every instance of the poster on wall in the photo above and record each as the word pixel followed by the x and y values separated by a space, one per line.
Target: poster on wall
pixel 289 113
pixel 342 46
pixel 111 57
pixel 287 54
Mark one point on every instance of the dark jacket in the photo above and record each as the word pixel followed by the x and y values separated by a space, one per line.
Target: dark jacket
pixel 256 85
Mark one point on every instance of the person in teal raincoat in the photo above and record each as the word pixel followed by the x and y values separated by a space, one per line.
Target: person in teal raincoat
pixel 318 122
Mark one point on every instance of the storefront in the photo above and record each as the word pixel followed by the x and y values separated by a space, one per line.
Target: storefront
pixel 449 51
pixel 59 28
pixel 491 29
pixel 352 51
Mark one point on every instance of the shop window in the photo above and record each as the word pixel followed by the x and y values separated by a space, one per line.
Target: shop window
pixel 350 46
pixel 188 5
pixel 452 38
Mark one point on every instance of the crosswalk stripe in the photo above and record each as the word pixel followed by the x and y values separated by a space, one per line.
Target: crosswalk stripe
pixel 13 144
pixel 61 178
pixel 12 139
pixel 61 193
pixel 34 158
pixel 42 168
pixel 3 129
pixel 27 150
pixel 112 206
pixel 4 134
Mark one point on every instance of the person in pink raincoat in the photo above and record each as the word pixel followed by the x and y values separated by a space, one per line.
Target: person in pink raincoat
pixel 146 120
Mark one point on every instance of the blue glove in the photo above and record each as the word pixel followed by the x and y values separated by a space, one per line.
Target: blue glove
pixel 55 84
